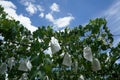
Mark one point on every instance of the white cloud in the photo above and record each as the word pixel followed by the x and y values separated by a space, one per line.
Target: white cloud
pixel 27 1
pixel 63 22
pixel 10 8
pixel 55 7
pixel 49 16
pixel 113 18
pixel 40 8
pixel 26 22
pixel 7 4
pixel 31 9
pixel 41 15
pixel 60 22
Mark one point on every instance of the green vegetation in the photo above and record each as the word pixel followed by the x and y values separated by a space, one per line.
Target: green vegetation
pixel 22 52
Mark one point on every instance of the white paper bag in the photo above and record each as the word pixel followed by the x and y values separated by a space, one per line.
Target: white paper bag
pixel 67 60
pixel 75 66
pixel 3 68
pixel 29 65
pixel 24 77
pixel 11 62
pixel 87 53
pixel 25 65
pixel 55 46
pixel 96 65
pixel 81 77
pixel 46 78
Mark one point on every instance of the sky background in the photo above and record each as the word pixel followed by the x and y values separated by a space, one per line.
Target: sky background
pixel 62 13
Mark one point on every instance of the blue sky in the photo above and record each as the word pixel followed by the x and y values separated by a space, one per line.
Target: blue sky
pixel 62 13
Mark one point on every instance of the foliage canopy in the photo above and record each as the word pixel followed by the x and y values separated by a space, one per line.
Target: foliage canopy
pixel 21 47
